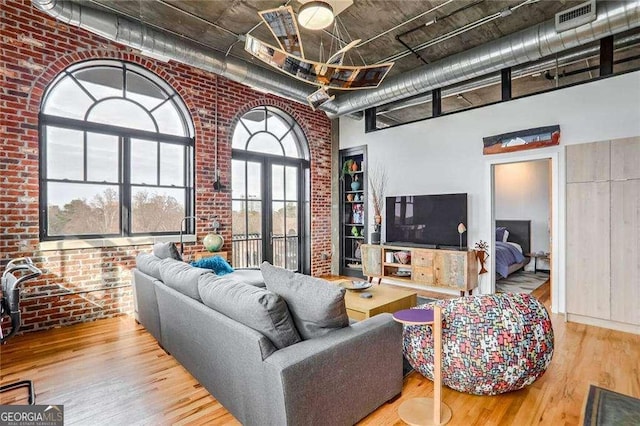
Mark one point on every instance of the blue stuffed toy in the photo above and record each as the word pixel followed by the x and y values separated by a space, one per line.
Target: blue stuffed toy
pixel 216 263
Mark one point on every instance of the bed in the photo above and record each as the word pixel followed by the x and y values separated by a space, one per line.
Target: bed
pixel 511 255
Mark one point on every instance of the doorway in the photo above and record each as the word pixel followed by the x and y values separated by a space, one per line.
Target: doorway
pixel 524 195
pixel 270 180
pixel 266 208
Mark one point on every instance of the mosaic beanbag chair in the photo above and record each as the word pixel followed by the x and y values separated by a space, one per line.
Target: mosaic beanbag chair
pixel 491 344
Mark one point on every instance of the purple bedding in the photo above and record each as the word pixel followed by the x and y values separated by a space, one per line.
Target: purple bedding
pixel 506 255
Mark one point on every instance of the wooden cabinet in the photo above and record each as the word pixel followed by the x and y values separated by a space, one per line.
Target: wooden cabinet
pixel 588 162
pixel 625 159
pixel 588 246
pixel 428 267
pixel 603 234
pixel 371 260
pixel 625 251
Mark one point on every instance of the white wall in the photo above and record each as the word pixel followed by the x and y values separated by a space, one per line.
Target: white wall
pixel 523 192
pixel 444 155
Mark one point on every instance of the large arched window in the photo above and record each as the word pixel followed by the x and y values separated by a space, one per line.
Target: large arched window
pixel 116 153
pixel 270 191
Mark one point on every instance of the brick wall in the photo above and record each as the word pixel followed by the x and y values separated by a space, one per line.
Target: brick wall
pixel 35 48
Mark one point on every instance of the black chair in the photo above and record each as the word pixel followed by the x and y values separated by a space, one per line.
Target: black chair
pixel 10 307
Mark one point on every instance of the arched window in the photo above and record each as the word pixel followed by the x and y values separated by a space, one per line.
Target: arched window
pixel 270 191
pixel 116 153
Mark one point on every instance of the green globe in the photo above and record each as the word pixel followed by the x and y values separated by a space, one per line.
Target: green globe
pixel 213 242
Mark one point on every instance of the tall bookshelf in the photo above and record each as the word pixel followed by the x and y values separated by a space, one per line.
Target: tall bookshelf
pixel 353 210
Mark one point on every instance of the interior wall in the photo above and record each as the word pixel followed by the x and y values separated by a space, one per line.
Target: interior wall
pixel 522 192
pixel 93 280
pixel 444 154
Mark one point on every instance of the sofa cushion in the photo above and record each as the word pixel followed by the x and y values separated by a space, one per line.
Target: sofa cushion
pixel 255 307
pixel 248 276
pixel 182 277
pixel 149 264
pixel 166 251
pixel 316 305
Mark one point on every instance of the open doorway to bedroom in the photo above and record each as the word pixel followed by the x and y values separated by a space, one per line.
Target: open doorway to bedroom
pixel 522 206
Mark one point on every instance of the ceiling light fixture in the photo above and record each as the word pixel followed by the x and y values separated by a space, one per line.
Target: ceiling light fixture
pixel 315 15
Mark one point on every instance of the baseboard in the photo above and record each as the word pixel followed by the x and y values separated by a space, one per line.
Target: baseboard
pixel 598 322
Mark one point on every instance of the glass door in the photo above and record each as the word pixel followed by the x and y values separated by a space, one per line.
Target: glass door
pixel 266 205
pixel 285 207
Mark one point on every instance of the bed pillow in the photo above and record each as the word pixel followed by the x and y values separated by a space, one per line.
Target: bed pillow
pixel 216 263
pixel 316 305
pixel 500 233
pixel 505 236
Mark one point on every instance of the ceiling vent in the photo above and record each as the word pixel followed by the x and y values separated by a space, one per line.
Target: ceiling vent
pixel 576 16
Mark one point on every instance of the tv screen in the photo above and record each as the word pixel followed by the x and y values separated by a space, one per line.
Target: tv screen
pixel 429 220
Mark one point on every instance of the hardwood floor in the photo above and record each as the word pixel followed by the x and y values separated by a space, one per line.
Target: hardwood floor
pixel 113 372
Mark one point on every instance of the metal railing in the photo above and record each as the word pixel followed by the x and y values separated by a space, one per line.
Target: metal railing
pixel 247 251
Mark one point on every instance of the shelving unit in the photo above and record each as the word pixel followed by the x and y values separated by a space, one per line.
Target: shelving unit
pixel 353 210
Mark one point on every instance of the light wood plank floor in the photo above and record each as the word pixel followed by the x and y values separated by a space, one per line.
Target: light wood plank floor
pixel 113 372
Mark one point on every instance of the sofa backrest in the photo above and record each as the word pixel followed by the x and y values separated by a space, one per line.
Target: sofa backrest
pixel 149 264
pixel 255 307
pixel 182 277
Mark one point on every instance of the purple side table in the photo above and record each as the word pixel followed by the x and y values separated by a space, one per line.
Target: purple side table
pixel 422 411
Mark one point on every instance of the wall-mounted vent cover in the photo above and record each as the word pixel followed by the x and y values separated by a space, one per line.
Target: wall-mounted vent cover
pixel 576 16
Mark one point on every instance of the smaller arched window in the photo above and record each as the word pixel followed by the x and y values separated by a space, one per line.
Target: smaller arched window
pixel 116 145
pixel 269 130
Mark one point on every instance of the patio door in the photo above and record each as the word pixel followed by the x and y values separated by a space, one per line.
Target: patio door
pixel 267 211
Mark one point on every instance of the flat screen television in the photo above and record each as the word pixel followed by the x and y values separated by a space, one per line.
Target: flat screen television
pixel 426 220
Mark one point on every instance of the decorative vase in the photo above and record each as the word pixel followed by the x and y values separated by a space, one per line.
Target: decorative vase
pixel 354 231
pixel 355 185
pixel 213 242
pixel 481 256
pixel 354 167
pixel 349 197
pixel 375 238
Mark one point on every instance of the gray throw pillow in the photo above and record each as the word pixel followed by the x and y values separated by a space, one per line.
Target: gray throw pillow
pixel 166 251
pixel 182 277
pixel 149 264
pixel 316 305
pixel 255 307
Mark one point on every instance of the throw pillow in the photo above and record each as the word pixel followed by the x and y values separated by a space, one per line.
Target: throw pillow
pixel 166 251
pixel 216 263
pixel 255 307
pixel 316 305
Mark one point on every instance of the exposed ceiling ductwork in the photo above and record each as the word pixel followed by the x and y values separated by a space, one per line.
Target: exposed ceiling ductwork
pixel 521 47
pixel 161 45
pixel 524 46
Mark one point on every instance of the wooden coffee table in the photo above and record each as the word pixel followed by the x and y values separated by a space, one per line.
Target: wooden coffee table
pixel 385 299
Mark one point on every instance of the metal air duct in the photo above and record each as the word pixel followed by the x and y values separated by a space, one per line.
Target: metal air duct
pixel 524 46
pixel 143 37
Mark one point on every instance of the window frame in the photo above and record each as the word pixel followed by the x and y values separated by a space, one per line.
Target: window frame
pixel 124 135
pixel 303 165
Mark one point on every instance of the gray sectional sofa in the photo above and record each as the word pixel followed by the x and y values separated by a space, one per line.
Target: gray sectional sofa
pixel 335 379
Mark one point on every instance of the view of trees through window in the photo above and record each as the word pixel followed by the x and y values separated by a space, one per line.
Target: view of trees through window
pixel 101 214
pixel 117 153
